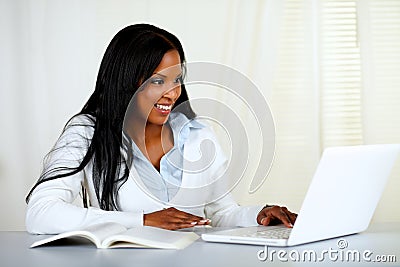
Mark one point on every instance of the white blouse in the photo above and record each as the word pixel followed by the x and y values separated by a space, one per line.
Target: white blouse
pixel 52 206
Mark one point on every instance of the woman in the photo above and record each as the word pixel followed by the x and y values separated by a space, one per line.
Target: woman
pixel 101 152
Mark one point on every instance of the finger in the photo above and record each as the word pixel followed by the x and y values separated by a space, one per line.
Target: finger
pixel 266 220
pixel 173 224
pixel 284 218
pixel 204 222
pixel 184 225
pixel 196 220
pixel 176 226
pixel 171 219
pixel 180 225
pixel 182 219
pixel 184 215
pixel 292 216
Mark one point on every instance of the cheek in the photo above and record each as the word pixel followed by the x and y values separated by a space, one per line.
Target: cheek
pixel 178 93
pixel 152 94
pixel 142 104
pixel 149 97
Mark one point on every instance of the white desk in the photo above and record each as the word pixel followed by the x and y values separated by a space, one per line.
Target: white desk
pixel 381 239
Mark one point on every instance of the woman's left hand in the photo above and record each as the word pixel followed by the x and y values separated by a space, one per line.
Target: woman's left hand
pixel 273 215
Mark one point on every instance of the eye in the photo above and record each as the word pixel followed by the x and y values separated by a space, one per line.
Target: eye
pixel 157 81
pixel 179 80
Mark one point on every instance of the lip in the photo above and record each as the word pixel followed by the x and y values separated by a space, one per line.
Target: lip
pixel 161 110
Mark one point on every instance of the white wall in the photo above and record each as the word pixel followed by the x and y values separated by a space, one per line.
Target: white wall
pixel 50 53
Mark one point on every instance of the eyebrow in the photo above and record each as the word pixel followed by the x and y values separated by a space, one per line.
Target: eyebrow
pixel 165 76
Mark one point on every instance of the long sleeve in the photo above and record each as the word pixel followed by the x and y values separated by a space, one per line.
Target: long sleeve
pixel 51 209
pixel 226 212
pixel 51 206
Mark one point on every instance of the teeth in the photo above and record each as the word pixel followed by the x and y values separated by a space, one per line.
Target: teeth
pixel 163 107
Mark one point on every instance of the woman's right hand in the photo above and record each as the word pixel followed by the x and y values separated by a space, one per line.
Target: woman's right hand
pixel 173 219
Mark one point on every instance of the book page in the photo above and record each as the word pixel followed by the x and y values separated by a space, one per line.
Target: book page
pixel 81 233
pixel 95 233
pixel 153 237
pixel 104 230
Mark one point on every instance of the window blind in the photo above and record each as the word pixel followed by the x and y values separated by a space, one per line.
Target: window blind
pixel 293 103
pixel 340 74
pixel 380 35
pixel 379 24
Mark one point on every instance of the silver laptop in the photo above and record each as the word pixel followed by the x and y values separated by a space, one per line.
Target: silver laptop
pixel 341 199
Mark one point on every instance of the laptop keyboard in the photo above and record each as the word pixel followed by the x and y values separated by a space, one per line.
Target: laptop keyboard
pixel 276 233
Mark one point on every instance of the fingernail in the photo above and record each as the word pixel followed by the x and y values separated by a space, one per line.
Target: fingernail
pixel 291 225
pixel 262 220
pixel 205 220
pixel 193 223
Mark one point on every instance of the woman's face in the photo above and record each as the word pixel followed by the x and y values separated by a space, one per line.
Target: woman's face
pixel 159 93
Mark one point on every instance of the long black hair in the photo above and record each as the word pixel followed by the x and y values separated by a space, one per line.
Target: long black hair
pixel 129 60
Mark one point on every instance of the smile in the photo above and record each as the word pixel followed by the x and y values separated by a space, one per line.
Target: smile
pixel 163 107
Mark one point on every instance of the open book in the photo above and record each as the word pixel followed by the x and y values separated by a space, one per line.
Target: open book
pixel 114 235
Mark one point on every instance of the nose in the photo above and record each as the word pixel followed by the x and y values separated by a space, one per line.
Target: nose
pixel 173 93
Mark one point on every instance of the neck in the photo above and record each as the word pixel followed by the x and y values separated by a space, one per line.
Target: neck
pixel 147 132
pixel 153 131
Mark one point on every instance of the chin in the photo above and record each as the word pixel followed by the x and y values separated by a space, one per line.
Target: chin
pixel 158 121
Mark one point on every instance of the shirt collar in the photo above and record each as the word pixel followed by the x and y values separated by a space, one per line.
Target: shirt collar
pixel 179 121
pixel 181 127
